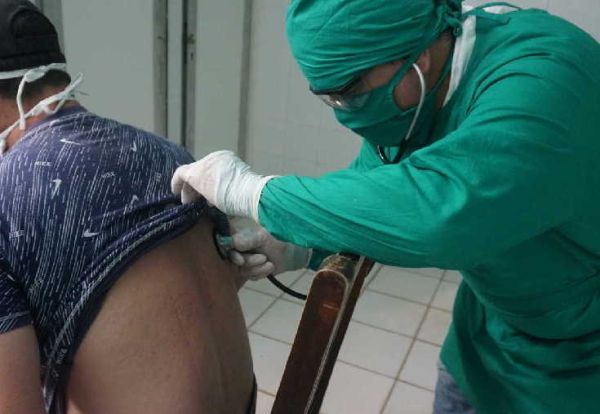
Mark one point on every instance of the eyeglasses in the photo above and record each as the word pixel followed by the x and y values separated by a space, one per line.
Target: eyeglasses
pixel 350 97
pixel 354 95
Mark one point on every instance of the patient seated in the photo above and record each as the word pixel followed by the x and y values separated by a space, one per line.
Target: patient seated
pixel 112 291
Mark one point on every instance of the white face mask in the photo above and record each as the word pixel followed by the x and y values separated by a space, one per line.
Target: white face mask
pixel 29 76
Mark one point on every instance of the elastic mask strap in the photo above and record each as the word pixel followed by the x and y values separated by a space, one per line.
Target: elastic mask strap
pixel 61 98
pixel 43 106
pixel 31 76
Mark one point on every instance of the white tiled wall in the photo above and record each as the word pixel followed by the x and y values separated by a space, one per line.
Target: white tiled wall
pixel 288 130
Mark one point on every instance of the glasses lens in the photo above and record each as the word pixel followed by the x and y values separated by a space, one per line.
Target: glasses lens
pixel 357 101
pixel 335 101
pixel 351 97
pixel 350 102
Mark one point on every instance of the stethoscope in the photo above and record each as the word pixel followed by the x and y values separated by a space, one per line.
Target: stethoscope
pixel 386 160
pixel 224 243
pixel 380 150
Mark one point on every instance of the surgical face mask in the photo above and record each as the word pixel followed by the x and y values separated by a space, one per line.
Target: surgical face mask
pixel 383 123
pixel 29 76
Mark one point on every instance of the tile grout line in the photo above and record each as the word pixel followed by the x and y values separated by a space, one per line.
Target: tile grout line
pixel 275 299
pixel 387 330
pixel 367 287
pixel 391 295
pixel 403 335
pixel 281 341
pixel 412 344
pixel 415 273
pixel 260 315
pixel 260 291
pixel 280 294
pixel 437 308
pixel 372 278
pixel 352 364
pixel 270 394
pixel 415 385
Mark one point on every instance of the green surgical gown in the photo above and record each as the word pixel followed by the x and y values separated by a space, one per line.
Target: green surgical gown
pixel 507 190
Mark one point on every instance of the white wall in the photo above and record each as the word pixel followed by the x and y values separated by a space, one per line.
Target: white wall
pixel 283 128
pixel 112 43
pixel 288 130
pixel 584 13
pixel 219 75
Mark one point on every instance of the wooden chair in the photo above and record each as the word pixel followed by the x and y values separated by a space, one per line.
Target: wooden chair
pixel 327 313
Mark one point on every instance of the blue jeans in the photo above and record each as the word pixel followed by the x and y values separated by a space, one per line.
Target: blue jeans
pixel 448 397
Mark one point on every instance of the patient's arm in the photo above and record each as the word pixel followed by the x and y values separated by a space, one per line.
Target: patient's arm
pixel 170 338
pixel 20 385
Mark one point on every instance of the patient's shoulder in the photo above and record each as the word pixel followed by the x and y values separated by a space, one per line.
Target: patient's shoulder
pixel 78 144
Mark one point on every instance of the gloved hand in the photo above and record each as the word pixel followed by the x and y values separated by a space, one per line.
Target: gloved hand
pixel 224 180
pixel 259 254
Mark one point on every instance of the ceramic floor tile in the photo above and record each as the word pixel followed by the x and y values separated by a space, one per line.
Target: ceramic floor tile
pixel 264 403
pixel 427 271
pixel 355 391
pixel 399 282
pixel 254 304
pixel 444 298
pixel 280 321
pixel 372 274
pixel 265 286
pixel 389 313
pixel 269 358
pixel 407 399
pixel 421 366
pixel 374 349
pixel 435 327
pixel 302 285
pixel 452 276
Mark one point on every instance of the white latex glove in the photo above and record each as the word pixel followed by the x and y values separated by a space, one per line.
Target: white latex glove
pixel 259 254
pixel 224 180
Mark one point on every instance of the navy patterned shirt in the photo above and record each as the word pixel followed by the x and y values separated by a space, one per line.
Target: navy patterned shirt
pixel 82 197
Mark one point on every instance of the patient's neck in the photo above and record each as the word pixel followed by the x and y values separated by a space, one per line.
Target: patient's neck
pixel 10 114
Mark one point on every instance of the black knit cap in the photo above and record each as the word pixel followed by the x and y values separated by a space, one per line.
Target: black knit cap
pixel 27 38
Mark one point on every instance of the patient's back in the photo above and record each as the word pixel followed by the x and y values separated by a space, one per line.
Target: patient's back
pixel 85 201
pixel 170 338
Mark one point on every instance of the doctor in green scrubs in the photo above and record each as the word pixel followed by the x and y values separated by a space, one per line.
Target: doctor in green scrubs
pixel 481 149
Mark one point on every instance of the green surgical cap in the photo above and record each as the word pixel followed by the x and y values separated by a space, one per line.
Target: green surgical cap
pixel 335 40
